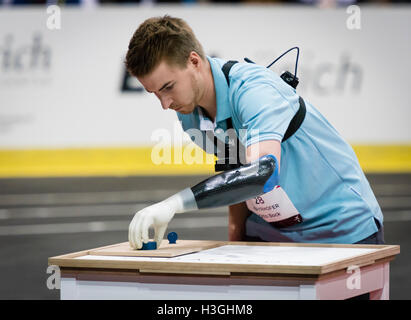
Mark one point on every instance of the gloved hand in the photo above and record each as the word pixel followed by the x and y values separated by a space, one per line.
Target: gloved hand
pixel 158 215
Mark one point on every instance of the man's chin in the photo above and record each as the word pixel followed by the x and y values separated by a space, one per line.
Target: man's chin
pixel 184 111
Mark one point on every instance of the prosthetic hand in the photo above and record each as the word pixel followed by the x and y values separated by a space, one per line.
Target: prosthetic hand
pixel 230 187
pixel 158 215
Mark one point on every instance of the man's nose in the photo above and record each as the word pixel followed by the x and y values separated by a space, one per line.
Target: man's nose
pixel 165 102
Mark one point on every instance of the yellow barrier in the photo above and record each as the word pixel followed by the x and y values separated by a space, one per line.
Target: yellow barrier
pixel 137 161
pixel 384 158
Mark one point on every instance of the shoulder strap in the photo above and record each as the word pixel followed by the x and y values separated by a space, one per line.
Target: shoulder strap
pixel 296 121
pixel 226 69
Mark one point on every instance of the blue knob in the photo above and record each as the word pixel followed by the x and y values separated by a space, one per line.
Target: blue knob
pixel 172 237
pixel 152 245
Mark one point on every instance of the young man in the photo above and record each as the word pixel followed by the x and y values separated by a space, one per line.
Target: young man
pixel 307 187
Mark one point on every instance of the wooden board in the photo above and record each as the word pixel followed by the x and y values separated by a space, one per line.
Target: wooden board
pixel 166 250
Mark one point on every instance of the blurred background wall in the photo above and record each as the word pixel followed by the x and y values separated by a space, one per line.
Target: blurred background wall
pixel 68 106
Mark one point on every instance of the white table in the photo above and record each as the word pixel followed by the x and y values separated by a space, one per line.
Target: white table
pixel 232 271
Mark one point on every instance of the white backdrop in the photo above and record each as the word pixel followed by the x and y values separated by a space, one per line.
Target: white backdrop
pixel 62 88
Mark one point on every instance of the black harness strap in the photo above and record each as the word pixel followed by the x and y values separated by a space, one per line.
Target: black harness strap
pixel 296 121
pixel 229 162
pixel 226 69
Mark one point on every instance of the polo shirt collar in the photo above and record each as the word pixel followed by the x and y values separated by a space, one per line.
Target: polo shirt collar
pixel 221 91
pixel 205 122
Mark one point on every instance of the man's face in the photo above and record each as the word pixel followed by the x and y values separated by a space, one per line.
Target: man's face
pixel 175 87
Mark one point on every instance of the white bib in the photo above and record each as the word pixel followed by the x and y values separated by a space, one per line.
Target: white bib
pixel 273 206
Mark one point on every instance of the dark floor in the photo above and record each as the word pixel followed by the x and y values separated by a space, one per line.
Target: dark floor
pixel 40 218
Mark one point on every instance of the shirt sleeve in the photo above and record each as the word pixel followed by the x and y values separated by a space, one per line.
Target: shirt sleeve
pixel 263 111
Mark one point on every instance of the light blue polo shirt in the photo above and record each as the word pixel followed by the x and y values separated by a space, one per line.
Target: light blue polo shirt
pixel 319 170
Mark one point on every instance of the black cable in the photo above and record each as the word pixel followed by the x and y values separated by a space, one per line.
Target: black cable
pixel 296 61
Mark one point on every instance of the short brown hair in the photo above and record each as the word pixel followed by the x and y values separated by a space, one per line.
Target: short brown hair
pixel 160 38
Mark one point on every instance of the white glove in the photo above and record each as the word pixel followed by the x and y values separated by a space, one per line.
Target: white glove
pixel 158 215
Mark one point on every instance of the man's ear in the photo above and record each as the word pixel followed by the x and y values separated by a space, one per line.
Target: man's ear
pixel 194 59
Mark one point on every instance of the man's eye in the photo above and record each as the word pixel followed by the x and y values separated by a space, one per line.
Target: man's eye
pixel 169 87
